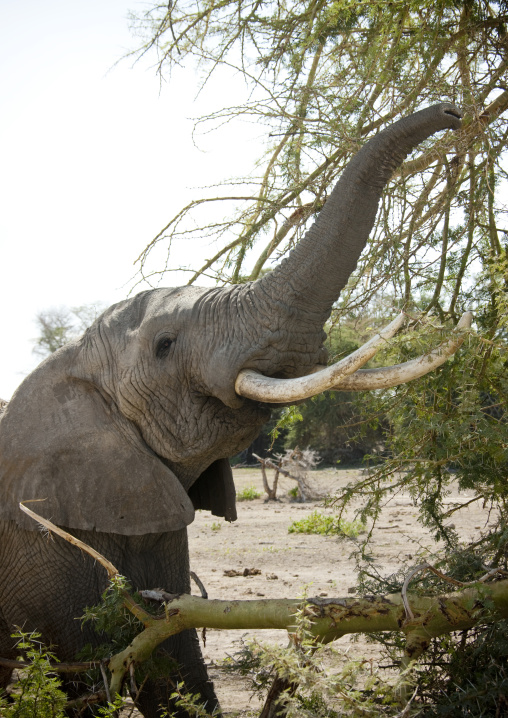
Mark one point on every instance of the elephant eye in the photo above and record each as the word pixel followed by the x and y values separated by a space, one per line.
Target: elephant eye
pixel 163 347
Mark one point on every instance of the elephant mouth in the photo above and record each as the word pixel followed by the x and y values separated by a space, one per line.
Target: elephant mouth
pixel 346 374
pixel 454 112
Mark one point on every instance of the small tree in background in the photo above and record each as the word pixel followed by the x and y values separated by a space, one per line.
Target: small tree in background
pixel 58 326
pixel 294 464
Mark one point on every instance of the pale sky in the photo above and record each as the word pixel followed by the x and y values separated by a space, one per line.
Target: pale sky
pixel 95 158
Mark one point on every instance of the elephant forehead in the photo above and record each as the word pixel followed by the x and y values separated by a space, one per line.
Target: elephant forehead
pixel 175 300
pixel 148 309
pixel 184 311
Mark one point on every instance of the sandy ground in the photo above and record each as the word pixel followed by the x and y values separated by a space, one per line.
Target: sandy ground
pixel 289 562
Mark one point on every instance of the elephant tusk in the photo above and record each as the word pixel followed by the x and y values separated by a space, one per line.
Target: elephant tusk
pixel 253 385
pixel 346 375
pixel 388 376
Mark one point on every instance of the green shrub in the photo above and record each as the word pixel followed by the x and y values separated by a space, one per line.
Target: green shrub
pixel 318 523
pixel 39 694
pixel 249 493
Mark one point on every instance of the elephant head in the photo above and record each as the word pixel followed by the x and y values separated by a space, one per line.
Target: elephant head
pixel 128 429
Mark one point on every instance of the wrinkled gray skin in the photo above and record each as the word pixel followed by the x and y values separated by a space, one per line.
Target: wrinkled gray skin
pixel 127 430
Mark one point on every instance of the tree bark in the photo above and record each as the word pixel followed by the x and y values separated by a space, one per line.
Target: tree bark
pixel 331 618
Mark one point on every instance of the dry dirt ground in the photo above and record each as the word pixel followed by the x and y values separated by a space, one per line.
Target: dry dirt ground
pixel 290 561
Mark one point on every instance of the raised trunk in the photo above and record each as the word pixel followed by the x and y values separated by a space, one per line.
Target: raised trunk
pixel 313 275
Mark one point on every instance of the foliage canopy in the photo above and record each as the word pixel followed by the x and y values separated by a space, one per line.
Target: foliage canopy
pixel 322 78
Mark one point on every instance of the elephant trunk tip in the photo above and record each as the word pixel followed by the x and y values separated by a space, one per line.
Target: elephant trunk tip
pixel 454 112
pixel 451 114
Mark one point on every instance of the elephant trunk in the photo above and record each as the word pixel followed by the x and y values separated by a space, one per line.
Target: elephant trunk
pixel 305 285
pixel 318 268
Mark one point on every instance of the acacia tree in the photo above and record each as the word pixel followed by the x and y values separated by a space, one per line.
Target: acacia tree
pixel 326 76
pixel 323 77
pixel 58 326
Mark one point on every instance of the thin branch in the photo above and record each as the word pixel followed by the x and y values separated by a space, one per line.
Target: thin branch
pixel 112 571
pixel 80 667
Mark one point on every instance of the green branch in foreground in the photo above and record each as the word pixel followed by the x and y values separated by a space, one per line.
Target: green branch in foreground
pixel 420 618
pixel 330 618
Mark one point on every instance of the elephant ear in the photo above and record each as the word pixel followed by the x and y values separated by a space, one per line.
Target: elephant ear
pixel 215 490
pixel 62 442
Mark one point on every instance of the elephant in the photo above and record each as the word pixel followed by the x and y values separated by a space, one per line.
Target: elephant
pixel 125 432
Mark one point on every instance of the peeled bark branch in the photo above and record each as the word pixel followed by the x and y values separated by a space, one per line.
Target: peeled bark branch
pixel 331 618
pixel 112 571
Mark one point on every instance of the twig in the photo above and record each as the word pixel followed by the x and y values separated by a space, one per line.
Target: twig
pixel 98 697
pixel 138 693
pixel 407 608
pixel 199 583
pixel 56 667
pixel 458 508
pixel 112 571
pixel 204 594
pixel 488 575
pixel 134 689
pixel 105 680
pixel 455 582
pixel 407 707
pixel 444 577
